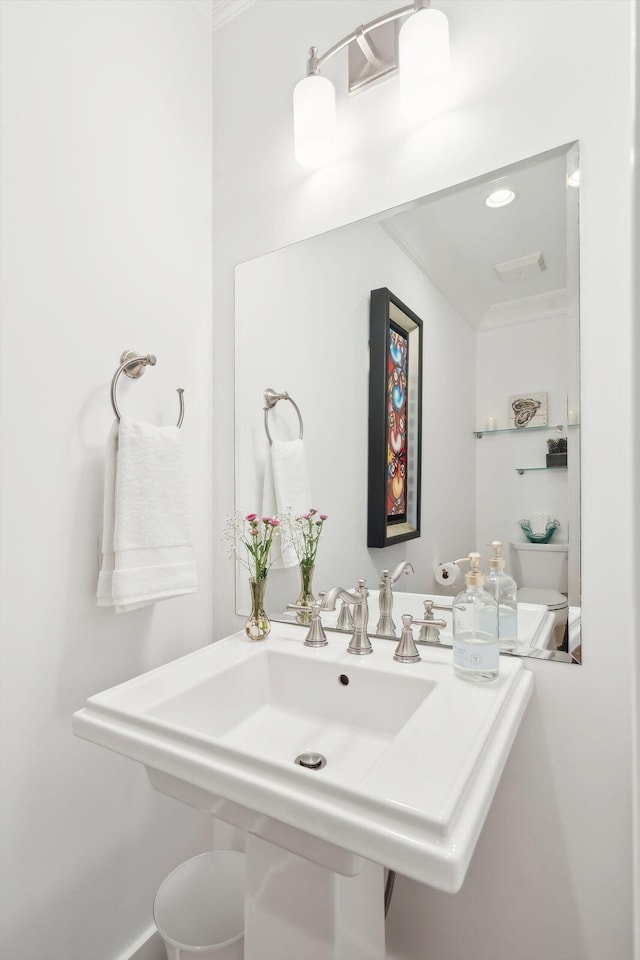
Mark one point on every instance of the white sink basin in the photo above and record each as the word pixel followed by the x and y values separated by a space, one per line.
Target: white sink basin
pixel 413 754
pixel 283 704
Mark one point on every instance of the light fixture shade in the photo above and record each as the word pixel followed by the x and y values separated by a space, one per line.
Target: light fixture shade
pixel 424 63
pixel 314 121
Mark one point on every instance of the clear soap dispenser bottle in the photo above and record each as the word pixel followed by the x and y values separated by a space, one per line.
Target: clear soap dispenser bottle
pixel 476 654
pixel 504 590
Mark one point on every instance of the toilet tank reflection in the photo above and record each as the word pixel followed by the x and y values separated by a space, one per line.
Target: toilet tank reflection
pixel 542 566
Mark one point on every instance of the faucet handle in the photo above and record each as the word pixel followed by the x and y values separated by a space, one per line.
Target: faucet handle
pixel 430 627
pixel 406 651
pixel 316 636
pixel 345 618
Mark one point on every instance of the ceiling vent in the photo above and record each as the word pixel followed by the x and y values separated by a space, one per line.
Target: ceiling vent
pixel 515 271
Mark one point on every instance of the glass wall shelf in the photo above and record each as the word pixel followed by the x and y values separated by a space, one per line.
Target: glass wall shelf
pixel 522 470
pixel 551 426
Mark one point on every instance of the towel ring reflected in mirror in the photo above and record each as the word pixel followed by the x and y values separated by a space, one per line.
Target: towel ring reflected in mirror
pixel 271 397
pixel 133 365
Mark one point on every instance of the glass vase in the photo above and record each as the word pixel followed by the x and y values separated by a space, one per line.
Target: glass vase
pixel 306 598
pixel 258 625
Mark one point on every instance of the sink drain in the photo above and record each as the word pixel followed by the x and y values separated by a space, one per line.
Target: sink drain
pixel 313 761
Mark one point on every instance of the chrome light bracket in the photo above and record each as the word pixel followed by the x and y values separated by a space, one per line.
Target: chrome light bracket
pixel 373 48
pixel 374 56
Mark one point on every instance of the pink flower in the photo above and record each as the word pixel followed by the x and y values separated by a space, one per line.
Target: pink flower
pixel 324 516
pixel 254 532
pixel 250 517
pixel 312 511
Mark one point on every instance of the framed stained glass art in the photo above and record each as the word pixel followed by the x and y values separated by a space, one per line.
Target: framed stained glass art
pixel 395 408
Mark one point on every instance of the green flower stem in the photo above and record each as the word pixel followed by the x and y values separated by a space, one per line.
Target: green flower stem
pixel 258 548
pixel 256 536
pixel 311 529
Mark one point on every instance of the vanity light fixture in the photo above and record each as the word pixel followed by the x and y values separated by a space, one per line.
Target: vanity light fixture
pixel 500 198
pixel 419 50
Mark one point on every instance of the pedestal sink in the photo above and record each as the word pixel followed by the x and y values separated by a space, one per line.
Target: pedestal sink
pixel 410 759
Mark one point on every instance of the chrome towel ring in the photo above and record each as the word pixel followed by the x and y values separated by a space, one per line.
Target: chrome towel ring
pixel 133 365
pixel 271 397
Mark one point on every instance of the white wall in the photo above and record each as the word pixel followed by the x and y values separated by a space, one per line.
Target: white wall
pixel 551 877
pixel 302 318
pixel 635 248
pixel 106 246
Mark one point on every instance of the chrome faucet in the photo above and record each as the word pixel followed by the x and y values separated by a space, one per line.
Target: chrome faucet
pixel 406 651
pixel 386 627
pixel 359 643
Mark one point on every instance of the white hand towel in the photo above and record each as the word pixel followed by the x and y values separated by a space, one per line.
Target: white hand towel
pixel 147 548
pixel 286 486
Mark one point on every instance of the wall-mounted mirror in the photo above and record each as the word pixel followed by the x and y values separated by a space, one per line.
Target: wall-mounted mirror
pixel 496 288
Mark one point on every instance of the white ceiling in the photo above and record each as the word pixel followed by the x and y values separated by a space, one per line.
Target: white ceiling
pixel 457 240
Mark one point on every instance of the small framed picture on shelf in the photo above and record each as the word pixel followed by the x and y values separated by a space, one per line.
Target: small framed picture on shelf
pixel 528 410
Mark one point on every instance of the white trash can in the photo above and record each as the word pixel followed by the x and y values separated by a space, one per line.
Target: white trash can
pixel 199 908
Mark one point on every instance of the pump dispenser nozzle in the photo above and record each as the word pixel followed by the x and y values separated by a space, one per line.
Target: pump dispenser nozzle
pixel 497 561
pixel 474 577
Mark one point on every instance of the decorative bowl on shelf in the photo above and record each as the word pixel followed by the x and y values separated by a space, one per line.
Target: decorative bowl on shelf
pixel 539 536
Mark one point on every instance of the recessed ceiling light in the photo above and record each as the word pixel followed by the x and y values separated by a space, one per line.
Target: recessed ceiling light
pixel 500 198
pixel 573 180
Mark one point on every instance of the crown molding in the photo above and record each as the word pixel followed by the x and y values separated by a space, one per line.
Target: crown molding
pixel 204 8
pixel 410 251
pixel 222 11
pixel 555 303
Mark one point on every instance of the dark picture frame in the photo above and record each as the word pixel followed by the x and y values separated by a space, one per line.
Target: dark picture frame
pixel 395 421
